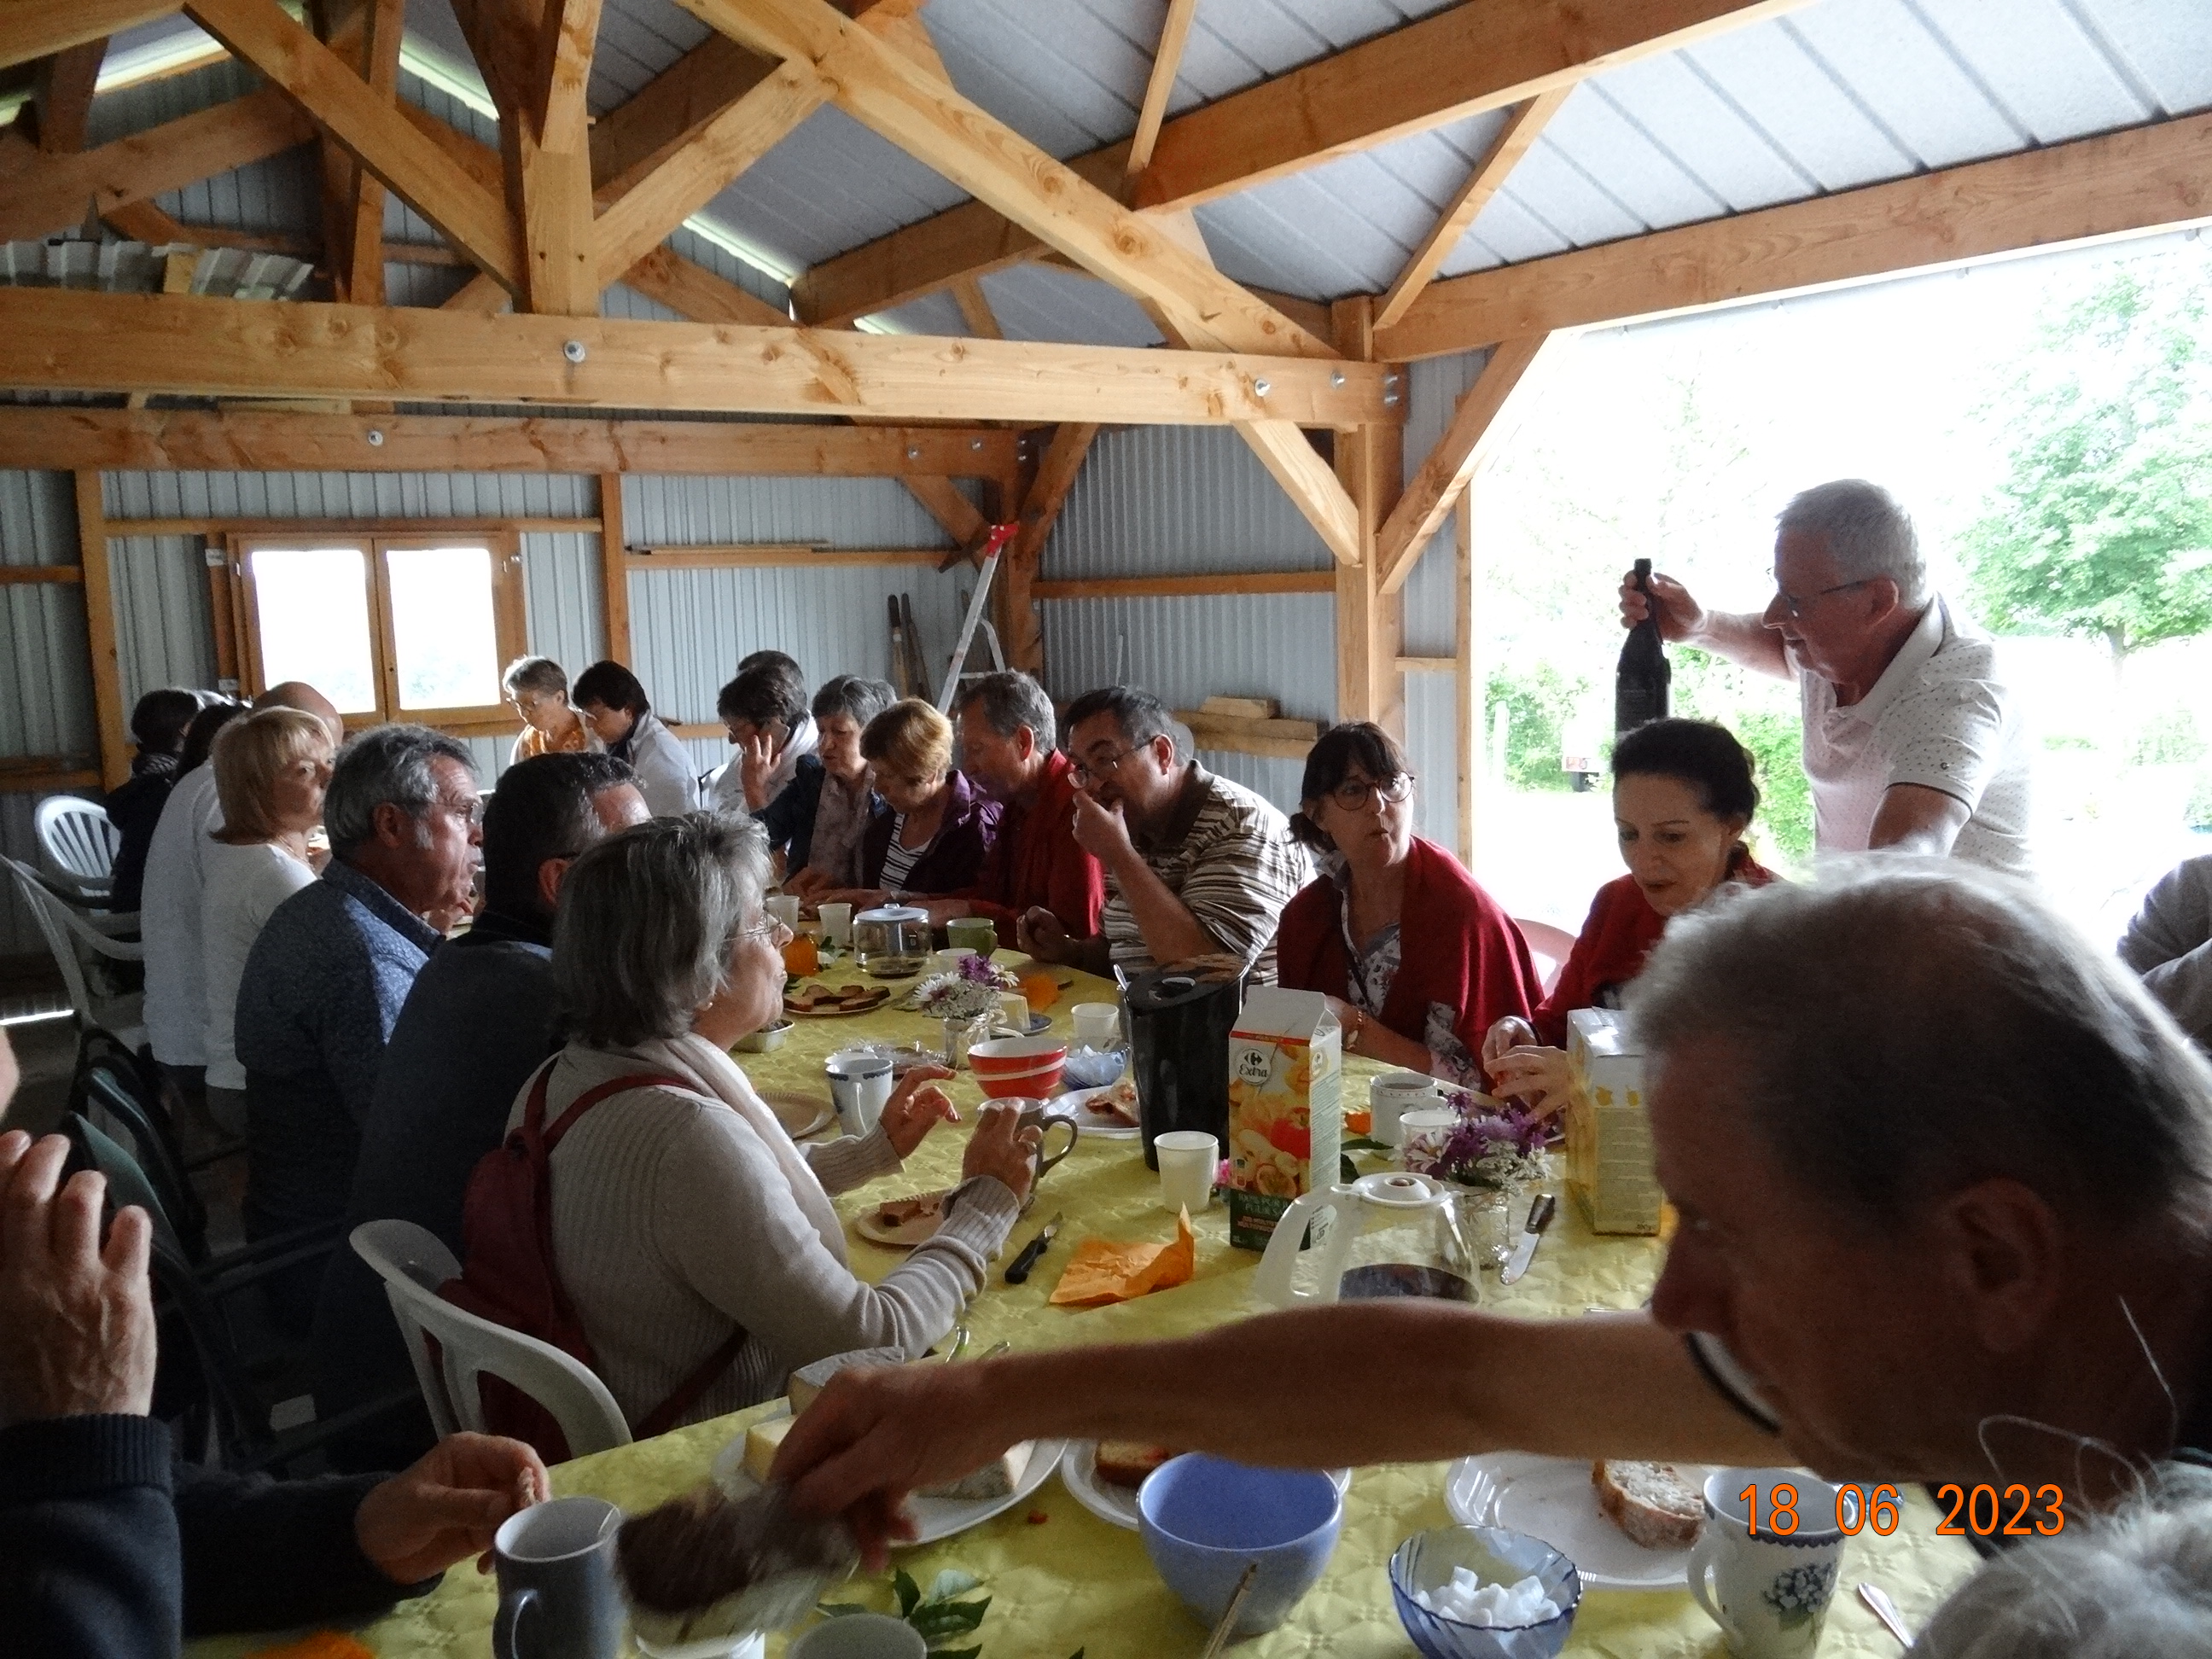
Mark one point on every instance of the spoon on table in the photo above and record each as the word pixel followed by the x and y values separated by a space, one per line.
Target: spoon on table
pixel 1227 1622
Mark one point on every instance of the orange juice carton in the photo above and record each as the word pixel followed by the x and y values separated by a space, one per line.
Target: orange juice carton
pixel 1286 1107
pixel 1609 1155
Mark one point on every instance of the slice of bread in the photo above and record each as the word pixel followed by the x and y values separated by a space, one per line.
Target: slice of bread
pixel 1652 1503
pixel 1126 1462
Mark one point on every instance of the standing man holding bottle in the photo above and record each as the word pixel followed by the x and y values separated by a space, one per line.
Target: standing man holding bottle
pixel 1912 738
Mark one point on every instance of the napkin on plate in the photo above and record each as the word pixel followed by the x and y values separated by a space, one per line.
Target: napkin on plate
pixel 1104 1270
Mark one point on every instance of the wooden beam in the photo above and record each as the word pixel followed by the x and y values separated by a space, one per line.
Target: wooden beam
pixel 2117 185
pixel 1174 35
pixel 1480 55
pixel 142 221
pixel 975 310
pixel 955 513
pixel 60 96
pixel 38 28
pixel 1514 140
pixel 45 774
pixel 637 136
pixel 483 295
pixel 1048 493
pixel 925 116
pixel 691 290
pixel 389 146
pixel 694 173
pixel 1462 448
pixel 1427 664
pixel 383 22
pixel 99 629
pixel 774 556
pixel 52 195
pixel 227 524
pixel 1312 485
pixel 69 439
pixel 1188 587
pixel 614 571
pixel 545 144
pixel 13 575
pixel 1468 688
pixel 1370 620
pixel 52 339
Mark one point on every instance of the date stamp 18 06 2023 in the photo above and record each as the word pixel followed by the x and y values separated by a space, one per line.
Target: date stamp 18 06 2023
pixel 1984 1510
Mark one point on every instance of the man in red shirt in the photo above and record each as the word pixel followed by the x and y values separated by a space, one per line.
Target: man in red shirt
pixel 1006 735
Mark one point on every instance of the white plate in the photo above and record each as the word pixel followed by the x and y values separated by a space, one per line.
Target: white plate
pixel 933 1517
pixel 1551 1498
pixel 1117 1505
pixel 1090 1121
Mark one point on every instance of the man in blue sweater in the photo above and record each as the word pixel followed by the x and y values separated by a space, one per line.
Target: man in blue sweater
pixel 108 1548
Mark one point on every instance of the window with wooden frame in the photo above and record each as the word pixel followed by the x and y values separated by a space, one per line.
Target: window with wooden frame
pixel 388 626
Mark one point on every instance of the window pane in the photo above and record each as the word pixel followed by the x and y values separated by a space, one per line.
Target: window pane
pixel 311 606
pixel 443 627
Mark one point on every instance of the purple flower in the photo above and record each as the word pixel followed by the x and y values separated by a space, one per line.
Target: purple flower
pixel 978 970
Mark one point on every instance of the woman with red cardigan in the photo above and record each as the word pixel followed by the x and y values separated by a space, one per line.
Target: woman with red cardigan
pixel 1682 798
pixel 1417 961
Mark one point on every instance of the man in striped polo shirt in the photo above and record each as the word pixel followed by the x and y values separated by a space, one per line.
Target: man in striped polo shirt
pixel 1196 865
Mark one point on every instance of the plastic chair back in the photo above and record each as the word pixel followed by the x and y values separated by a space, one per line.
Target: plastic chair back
pixel 1550 946
pixel 452 1348
pixel 107 1087
pixel 65 930
pixel 79 843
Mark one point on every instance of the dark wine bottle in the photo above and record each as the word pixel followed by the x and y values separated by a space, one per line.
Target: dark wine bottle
pixel 1639 684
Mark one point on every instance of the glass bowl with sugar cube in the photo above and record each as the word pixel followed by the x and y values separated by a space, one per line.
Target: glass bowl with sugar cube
pixel 1483 1593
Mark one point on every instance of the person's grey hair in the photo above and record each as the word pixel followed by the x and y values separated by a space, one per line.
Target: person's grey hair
pixel 647 921
pixel 1897 1029
pixel 1010 699
pixel 539 674
pixel 853 698
pixel 1141 715
pixel 385 764
pixel 2135 1582
pixel 1868 534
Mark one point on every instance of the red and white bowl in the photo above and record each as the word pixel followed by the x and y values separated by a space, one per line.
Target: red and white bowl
pixel 1011 1066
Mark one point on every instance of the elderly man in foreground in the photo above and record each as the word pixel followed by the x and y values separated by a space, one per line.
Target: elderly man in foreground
pixel 1944 1173
pixel 1912 739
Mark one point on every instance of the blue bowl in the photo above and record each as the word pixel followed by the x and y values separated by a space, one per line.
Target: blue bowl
pixel 1204 1520
pixel 1425 1561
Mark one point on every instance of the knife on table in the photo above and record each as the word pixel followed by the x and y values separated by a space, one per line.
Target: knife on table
pixel 1017 1270
pixel 1540 1216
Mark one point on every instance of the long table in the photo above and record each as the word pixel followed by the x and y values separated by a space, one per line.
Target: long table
pixel 1061 1579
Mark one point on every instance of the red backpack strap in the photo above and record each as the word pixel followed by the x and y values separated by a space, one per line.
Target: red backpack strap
pixel 591 1097
pixel 670 1412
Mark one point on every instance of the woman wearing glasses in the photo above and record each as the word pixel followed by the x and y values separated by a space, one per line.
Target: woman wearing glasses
pixel 695 1238
pixel 1682 798
pixel 1417 962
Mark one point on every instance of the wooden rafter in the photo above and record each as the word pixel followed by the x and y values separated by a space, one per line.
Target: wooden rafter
pixel 1436 489
pixel 614 573
pixel 1480 55
pixel 242 441
pixel 1174 35
pixel 955 513
pixel 1487 178
pixel 51 194
pixel 1370 620
pixel 54 339
pixel 38 28
pixel 888 92
pixel 1047 494
pixel 60 96
pixel 975 310
pixel 365 34
pixel 99 625
pixel 632 139
pixel 2120 184
pixel 691 290
pixel 388 145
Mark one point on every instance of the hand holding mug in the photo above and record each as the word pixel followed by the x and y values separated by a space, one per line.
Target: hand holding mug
pixel 1001 1146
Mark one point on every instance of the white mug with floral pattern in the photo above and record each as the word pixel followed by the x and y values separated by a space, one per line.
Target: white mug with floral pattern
pixel 1765 1565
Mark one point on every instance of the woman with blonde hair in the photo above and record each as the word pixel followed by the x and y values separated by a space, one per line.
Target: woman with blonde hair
pixel 939 827
pixel 270 769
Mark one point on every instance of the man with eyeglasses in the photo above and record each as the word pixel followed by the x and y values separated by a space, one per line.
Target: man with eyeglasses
pixel 1196 865
pixel 1912 738
pixel 324 981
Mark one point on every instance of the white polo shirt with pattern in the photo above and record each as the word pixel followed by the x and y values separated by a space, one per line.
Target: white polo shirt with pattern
pixel 1940 716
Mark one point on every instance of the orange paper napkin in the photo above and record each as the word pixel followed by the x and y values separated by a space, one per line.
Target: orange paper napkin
pixel 1102 1270
pixel 323 1644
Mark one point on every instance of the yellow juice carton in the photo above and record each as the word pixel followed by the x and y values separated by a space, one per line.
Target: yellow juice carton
pixel 1609 1155
pixel 1286 1107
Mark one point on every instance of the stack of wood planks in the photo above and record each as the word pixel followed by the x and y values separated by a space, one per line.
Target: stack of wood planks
pixel 1248 725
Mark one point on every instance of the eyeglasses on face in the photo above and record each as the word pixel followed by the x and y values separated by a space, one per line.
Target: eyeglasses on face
pixel 770 928
pixel 1102 769
pixel 1797 606
pixel 1353 794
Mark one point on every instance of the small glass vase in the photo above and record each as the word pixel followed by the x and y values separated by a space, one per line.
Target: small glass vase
pixel 963 1034
pixel 1487 1215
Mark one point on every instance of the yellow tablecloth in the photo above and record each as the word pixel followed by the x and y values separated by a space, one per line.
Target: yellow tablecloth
pixel 1071 1581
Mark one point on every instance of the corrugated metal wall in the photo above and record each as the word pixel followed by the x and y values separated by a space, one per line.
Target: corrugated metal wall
pixel 1183 500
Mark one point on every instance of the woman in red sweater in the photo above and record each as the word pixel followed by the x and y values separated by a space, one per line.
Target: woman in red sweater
pixel 1418 995
pixel 1682 798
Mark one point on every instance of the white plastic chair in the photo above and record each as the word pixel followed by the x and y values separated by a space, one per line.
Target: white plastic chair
pixel 413 1261
pixel 80 846
pixel 67 929
pixel 1548 944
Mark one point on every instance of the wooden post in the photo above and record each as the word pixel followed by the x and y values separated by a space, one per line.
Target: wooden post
pixel 1369 620
pixel 99 629
pixel 1467 683
pixel 614 573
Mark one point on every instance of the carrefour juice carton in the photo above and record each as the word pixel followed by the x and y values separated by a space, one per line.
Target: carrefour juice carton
pixel 1609 1152
pixel 1285 1107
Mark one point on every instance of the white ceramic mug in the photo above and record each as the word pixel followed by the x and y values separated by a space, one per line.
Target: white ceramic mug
pixel 1770 1592
pixel 859 1636
pixel 784 906
pixel 1096 1024
pixel 1392 1095
pixel 1189 1158
pixel 859 1084
pixel 1422 1133
pixel 947 962
pixel 837 924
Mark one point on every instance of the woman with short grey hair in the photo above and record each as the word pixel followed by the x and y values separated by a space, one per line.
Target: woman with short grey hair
pixel 693 1237
pixel 819 823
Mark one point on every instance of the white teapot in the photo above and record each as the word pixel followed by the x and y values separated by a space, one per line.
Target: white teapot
pixel 1395 1233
